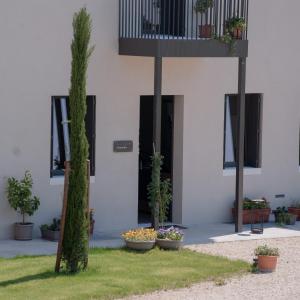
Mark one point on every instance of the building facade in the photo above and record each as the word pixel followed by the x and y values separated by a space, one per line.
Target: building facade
pixel 198 131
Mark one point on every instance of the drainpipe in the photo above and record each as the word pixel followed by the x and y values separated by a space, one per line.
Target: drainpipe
pixel 65 122
pixel 239 194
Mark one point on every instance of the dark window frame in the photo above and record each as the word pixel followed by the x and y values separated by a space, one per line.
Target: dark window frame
pixel 91 113
pixel 258 162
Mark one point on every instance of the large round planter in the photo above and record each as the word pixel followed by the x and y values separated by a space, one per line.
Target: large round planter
pixel 23 232
pixel 267 263
pixel 169 245
pixel 295 211
pixel 140 245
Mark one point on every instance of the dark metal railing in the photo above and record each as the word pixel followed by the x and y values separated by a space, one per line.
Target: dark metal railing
pixel 180 19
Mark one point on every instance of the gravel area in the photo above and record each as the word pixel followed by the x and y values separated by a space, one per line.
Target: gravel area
pixel 283 284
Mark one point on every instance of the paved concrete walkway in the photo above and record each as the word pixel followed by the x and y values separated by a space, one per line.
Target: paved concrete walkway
pixel 205 234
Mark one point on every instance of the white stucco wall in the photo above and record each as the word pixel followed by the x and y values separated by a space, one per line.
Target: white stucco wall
pixel 35 64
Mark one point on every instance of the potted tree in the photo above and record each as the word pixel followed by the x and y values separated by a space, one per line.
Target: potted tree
pixel 19 195
pixel 205 29
pixel 141 239
pixel 170 239
pixel 266 258
pixel 236 26
pixel 295 209
pixel 254 211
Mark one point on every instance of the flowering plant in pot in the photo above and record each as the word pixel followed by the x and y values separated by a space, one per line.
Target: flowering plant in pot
pixel 140 239
pixel 202 7
pixel 170 238
pixel 236 26
pixel 266 258
pixel 19 195
pixel 295 209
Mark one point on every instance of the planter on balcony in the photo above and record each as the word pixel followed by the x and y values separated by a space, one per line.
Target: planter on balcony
pixel 206 31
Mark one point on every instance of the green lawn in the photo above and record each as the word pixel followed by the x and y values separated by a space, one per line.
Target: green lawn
pixel 111 274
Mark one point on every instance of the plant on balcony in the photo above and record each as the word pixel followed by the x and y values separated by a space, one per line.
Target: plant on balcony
pixel 19 195
pixel 266 258
pixel 159 191
pixel 236 26
pixel 75 244
pixel 295 209
pixel 202 6
pixel 254 211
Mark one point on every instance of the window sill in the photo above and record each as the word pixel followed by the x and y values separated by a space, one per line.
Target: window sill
pixel 60 180
pixel 247 171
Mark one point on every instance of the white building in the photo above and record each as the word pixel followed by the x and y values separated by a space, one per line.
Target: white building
pixel 198 131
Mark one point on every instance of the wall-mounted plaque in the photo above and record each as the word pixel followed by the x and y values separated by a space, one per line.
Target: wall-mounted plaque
pixel 123 146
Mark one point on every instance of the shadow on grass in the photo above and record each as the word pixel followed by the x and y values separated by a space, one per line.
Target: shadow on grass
pixel 24 279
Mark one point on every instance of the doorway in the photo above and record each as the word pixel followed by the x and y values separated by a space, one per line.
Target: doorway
pixel 146 150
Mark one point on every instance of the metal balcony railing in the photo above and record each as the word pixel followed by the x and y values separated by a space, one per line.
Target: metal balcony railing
pixel 183 19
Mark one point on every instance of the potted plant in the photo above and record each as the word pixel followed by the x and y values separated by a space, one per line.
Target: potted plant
pixel 170 239
pixel 295 209
pixel 236 26
pixel 20 198
pixel 202 6
pixel 44 228
pixel 141 239
pixel 92 221
pixel 254 211
pixel 283 217
pixel 266 258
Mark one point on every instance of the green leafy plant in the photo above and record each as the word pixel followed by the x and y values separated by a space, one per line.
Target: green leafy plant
pixel 228 40
pixel 55 226
pixel 19 195
pixel 202 6
pixel 249 204
pixel 76 238
pixel 44 227
pixel 236 23
pixel 266 251
pixel 159 191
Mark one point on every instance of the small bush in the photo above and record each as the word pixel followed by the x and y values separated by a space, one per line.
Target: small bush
pixel 266 251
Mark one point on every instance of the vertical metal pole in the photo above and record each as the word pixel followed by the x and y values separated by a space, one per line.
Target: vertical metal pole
pixel 239 195
pixel 157 103
pixel 157 122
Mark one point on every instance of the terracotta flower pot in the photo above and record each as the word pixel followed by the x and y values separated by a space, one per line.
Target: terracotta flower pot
pixel 140 245
pixel 237 33
pixel 169 245
pixel 255 215
pixel 295 211
pixel 206 31
pixel 267 263
pixel 23 232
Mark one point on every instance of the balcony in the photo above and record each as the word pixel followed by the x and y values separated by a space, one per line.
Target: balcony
pixel 183 28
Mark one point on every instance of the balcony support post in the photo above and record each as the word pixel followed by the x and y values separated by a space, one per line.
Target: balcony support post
pixel 239 194
pixel 157 103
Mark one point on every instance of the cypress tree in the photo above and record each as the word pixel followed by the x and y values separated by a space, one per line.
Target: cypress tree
pixel 76 239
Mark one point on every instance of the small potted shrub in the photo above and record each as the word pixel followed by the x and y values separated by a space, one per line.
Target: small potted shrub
pixel 169 239
pixel 202 6
pixel 295 209
pixel 266 258
pixel 92 221
pixel 283 217
pixel 141 239
pixel 20 198
pixel 53 230
pixel 255 211
pixel 44 228
pixel 236 26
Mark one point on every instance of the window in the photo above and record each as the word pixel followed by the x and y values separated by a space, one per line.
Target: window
pixel 60 133
pixel 252 130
